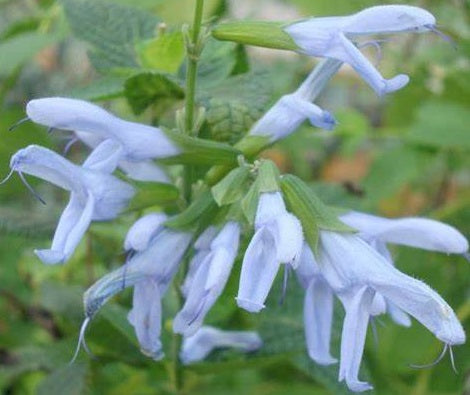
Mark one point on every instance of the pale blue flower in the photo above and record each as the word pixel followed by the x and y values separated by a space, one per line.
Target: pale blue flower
pixel 149 271
pixel 95 195
pixel 288 113
pixel 331 37
pixel 202 248
pixel 198 346
pixel 278 239
pixel 356 272
pixel 208 280
pixel 143 230
pixel 416 232
pixel 318 308
pixel 93 125
pixel 146 316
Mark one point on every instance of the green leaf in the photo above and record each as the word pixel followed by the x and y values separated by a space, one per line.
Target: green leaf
pixel 112 29
pixel 397 167
pixel 20 27
pixel 21 48
pixel 218 61
pixel 232 187
pixel 104 88
pixel 62 299
pixel 68 380
pixel 282 331
pixel 258 33
pixel 235 104
pixel 14 223
pixel 441 125
pixel 164 53
pixel 310 210
pixel 325 375
pixel 116 315
pixel 182 11
pixel 144 89
pixel 151 194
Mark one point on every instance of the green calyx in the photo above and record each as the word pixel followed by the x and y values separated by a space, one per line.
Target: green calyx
pixel 199 213
pixel 250 146
pixel 232 187
pixel 267 180
pixel 196 151
pixel 153 194
pixel 265 34
pixel 310 210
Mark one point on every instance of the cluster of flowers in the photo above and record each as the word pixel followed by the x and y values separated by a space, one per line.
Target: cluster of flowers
pixel 341 254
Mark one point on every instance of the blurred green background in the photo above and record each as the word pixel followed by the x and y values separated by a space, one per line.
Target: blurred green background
pixel 405 154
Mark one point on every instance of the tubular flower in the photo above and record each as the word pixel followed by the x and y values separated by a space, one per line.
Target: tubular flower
pixel 278 239
pixel 333 37
pixel 143 230
pixel 422 233
pixel 356 273
pixel 146 315
pixel 318 308
pixel 416 232
pixel 93 125
pixel 149 271
pixel 95 195
pixel 202 248
pixel 286 115
pixel 209 280
pixel 206 339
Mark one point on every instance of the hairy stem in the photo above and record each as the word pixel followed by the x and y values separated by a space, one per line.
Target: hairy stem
pixel 191 70
pixel 193 50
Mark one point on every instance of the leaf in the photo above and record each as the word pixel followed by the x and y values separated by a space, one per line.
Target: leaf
pixel 164 53
pixel 21 48
pixel 116 315
pixel 112 29
pixel 441 125
pixel 62 299
pixel 104 88
pixel 68 380
pixel 144 89
pixel 218 61
pixel 327 376
pixel 235 104
pixel 393 169
pixel 282 331
pixel 13 222
pixel 22 26
pixel 183 10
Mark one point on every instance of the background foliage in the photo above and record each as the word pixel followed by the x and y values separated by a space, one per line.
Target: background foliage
pixel 406 154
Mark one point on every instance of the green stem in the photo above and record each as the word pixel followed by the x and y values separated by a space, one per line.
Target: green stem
pixel 191 71
pixel 193 50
